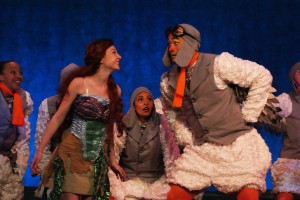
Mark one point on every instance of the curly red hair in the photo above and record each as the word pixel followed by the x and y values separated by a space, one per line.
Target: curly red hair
pixel 95 51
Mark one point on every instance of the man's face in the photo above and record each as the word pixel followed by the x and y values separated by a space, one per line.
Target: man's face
pixel 174 45
pixel 297 79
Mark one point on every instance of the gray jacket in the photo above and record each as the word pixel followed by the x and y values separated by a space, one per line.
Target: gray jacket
pixel 211 114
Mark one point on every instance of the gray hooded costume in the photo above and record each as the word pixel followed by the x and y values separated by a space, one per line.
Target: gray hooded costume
pixel 148 159
pixel 291 141
pixel 142 156
pixel 286 170
pixel 211 123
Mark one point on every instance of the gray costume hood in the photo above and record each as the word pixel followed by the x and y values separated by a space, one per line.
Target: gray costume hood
pixel 131 118
pixel 191 37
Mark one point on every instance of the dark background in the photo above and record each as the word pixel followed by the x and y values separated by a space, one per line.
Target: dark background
pixel 44 36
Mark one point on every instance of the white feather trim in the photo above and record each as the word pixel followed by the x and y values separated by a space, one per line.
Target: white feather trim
pixel 285 104
pixel 22 144
pixel 286 175
pixel 229 168
pixel 176 119
pixel 41 125
pixel 158 106
pixel 10 184
pixel 138 189
pixel 246 74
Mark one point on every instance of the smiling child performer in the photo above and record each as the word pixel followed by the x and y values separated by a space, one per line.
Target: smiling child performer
pixel 15 107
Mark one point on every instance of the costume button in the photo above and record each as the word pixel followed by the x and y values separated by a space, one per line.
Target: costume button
pixel 141 149
pixel 205 130
pixel 199 115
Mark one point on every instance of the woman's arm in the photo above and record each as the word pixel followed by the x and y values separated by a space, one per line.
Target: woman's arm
pixel 74 89
pixel 117 169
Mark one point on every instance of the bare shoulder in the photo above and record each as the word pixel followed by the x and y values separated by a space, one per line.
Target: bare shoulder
pixel 77 81
pixel 77 85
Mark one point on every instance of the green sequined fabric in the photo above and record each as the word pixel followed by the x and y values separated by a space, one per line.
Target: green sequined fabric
pixel 94 150
pixel 93 139
pixel 92 136
pixel 101 181
pixel 58 179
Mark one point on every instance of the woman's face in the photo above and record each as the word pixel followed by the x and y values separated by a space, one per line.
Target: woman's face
pixel 143 103
pixel 12 76
pixel 111 59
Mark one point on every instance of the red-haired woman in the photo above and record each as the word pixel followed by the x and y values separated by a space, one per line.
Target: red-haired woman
pixel 91 104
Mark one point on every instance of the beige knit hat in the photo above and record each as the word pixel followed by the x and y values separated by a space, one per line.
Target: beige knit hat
pixel 65 72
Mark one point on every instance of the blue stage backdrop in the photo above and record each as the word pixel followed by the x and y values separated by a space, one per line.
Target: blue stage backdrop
pixel 44 36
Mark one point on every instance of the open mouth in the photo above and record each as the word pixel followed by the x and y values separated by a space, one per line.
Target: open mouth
pixel 146 109
pixel 18 83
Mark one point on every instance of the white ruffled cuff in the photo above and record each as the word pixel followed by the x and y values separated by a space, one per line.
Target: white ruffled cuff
pixel 246 74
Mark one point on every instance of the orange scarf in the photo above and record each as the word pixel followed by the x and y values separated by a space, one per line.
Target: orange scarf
pixel 17 115
pixel 177 101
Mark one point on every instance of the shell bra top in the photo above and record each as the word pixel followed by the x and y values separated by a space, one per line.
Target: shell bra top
pixel 89 118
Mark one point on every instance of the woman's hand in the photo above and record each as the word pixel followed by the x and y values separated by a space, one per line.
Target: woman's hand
pixel 118 170
pixel 35 162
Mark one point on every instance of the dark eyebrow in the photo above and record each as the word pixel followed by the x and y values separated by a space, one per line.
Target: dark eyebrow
pixel 113 49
